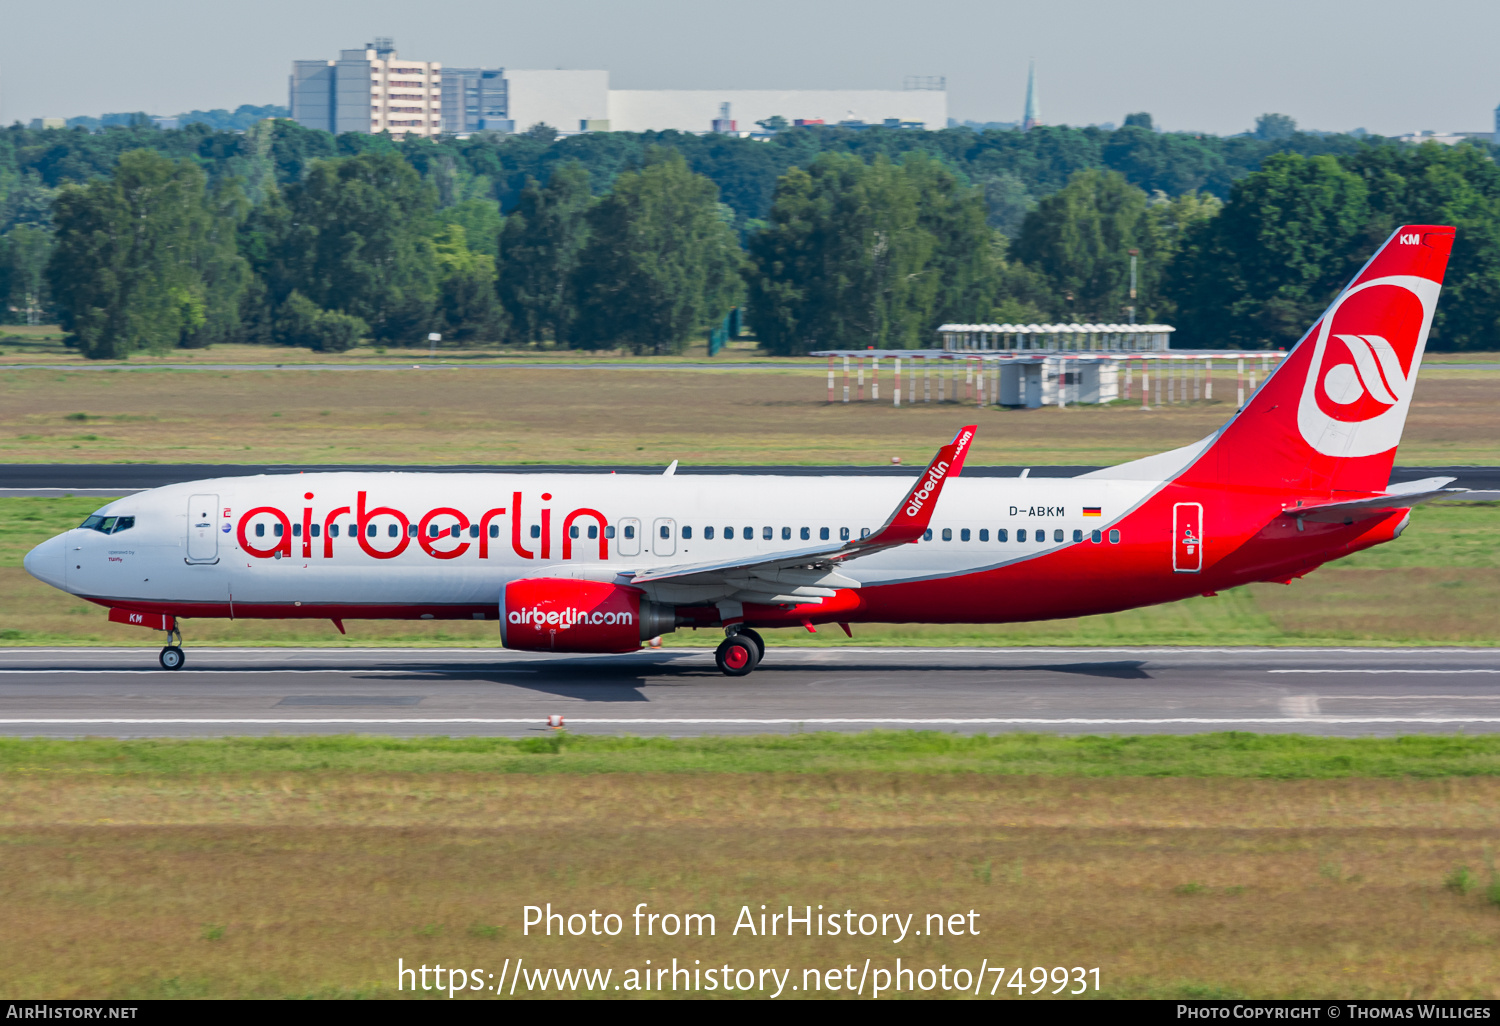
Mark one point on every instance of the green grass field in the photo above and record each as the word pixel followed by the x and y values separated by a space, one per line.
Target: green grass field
pixel 1214 866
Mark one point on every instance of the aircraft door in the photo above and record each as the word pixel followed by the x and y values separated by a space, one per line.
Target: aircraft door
pixel 203 529
pixel 664 537
pixel 628 537
pixel 1187 537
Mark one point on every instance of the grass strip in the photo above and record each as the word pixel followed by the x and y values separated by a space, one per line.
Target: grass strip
pixel 1227 755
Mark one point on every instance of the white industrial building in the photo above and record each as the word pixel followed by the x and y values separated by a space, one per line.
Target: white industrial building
pixel 372 90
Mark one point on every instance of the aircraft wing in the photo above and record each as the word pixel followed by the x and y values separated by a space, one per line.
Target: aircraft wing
pixel 810 574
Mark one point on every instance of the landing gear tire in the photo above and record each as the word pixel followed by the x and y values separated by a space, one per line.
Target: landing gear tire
pixel 736 656
pixel 760 643
pixel 172 658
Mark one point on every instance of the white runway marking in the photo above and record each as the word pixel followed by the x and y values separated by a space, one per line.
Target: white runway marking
pixel 185 672
pixel 1397 670
pixel 780 721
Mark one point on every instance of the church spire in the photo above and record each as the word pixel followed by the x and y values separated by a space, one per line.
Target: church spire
pixel 1033 116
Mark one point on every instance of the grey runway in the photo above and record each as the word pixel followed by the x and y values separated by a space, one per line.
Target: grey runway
pixel 677 692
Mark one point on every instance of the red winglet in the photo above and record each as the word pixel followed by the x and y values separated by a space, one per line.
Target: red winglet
pixel 911 518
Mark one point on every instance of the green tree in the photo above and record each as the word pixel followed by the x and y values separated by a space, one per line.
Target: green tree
pixel 1080 239
pixel 301 323
pixel 356 237
pixel 1258 274
pixel 958 278
pixel 540 243
pixel 841 264
pixel 24 252
pixel 1275 127
pixel 467 305
pixel 147 259
pixel 662 261
pixel 480 219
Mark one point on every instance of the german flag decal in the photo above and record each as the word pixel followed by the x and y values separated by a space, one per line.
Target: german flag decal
pixel 1093 511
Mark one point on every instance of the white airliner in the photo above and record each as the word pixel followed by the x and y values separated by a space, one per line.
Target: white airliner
pixel 604 562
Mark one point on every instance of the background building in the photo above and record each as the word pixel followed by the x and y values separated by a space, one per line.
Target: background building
pixel 372 90
pixel 475 100
pixel 369 90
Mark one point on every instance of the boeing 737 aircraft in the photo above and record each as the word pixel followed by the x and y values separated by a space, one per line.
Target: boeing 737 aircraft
pixel 604 562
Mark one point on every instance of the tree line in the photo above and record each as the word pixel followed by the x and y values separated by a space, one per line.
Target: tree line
pixel 299 238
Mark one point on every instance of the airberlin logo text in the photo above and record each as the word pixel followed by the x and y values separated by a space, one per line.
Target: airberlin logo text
pixel 540 618
pixel 444 532
pixel 935 475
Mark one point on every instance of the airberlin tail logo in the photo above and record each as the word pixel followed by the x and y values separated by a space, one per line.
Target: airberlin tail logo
pixel 1375 373
pixel 1366 353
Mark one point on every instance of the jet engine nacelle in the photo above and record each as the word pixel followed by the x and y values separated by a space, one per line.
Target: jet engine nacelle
pixel 555 614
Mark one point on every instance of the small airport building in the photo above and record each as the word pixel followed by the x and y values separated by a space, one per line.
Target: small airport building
pixel 1035 365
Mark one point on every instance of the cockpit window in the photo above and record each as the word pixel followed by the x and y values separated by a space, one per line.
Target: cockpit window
pixel 108 525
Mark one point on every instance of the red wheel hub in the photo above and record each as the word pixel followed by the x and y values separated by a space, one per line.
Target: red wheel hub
pixel 736 657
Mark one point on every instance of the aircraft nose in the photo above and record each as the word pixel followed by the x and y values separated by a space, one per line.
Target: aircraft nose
pixel 48 562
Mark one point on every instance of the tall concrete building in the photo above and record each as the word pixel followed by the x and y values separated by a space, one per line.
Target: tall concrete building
pixel 369 90
pixel 476 100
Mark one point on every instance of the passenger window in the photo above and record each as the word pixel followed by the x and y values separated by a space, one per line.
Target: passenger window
pixel 494 530
pixel 296 530
pixel 593 532
pixel 1003 535
pixel 786 534
pixel 609 532
pixel 666 532
pixel 947 534
pixel 1057 535
pixel 333 530
pixel 124 524
pixel 395 532
pixel 927 535
pixel 474 530
pixel 843 534
pixel 748 534
pixel 984 534
pixel 687 533
pixel 432 530
pixel 1078 536
pixel 411 530
pixel 453 531
pixel 807 534
pixel 316 529
pixel 1021 534
pixel 370 531
pixel 864 532
pixel 260 530
pixel 1096 537
pixel 822 534
pixel 573 531
pixel 536 530
pixel 708 534
pixel 766 533
pixel 1114 537
pixel 630 530
pixel 1041 536
pixel 275 528
pixel 963 535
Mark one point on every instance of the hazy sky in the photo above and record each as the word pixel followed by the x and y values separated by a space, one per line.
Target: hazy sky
pixel 1387 66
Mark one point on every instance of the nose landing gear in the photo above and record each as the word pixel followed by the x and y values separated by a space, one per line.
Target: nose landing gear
pixel 740 653
pixel 172 656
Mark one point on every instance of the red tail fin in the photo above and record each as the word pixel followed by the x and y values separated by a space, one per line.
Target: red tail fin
pixel 1330 417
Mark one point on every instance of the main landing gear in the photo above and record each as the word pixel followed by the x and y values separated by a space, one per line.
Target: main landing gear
pixel 739 653
pixel 172 656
